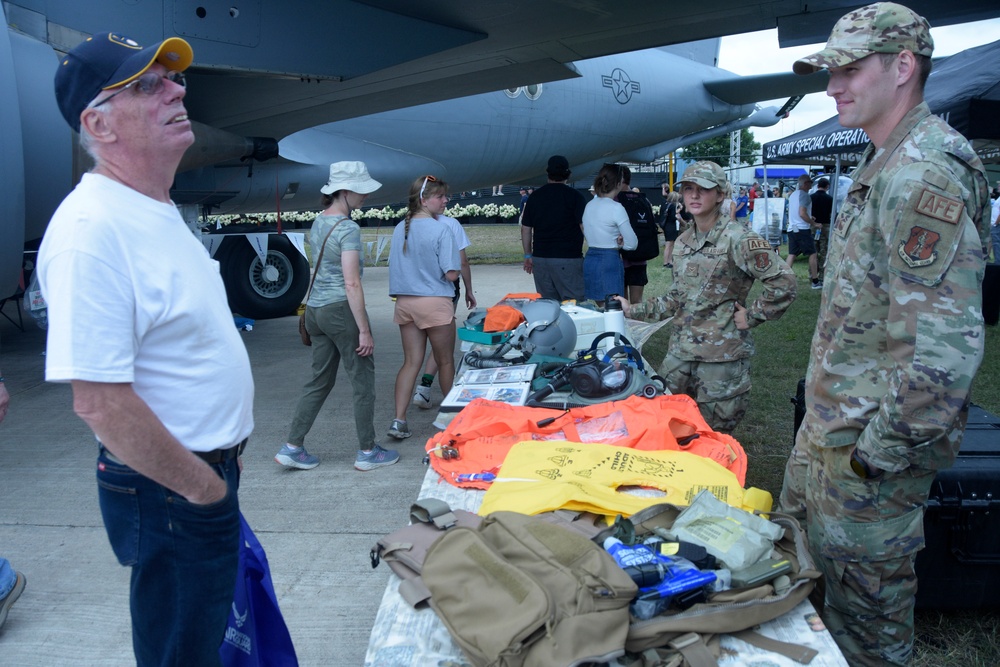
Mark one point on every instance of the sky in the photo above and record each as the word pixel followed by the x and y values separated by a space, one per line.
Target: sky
pixel 758 53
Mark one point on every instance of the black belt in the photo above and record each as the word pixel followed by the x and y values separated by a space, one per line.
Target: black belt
pixel 212 457
pixel 220 455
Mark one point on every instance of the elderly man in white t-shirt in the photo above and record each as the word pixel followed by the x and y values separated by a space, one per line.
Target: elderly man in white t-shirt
pixel 801 225
pixel 140 327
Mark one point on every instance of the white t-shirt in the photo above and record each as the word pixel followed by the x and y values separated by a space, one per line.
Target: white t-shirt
pixel 133 297
pixel 461 238
pixel 604 220
pixel 995 211
pixel 799 198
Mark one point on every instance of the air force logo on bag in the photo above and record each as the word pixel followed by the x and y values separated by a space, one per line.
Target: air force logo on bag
pixel 240 618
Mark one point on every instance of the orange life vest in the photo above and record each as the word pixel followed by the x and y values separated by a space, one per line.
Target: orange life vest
pixel 484 431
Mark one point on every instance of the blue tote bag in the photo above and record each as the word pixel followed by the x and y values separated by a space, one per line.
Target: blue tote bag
pixel 256 634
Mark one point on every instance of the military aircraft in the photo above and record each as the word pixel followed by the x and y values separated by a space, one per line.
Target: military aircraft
pixel 325 80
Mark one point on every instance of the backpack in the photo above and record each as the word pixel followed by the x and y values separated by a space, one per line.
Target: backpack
pixel 640 216
pixel 519 591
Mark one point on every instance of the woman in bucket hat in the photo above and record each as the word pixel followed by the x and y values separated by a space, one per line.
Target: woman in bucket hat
pixel 338 323
pixel 716 262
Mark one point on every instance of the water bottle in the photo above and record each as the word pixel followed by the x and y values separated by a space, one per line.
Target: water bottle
pixel 614 320
pixel 476 477
pixel 627 556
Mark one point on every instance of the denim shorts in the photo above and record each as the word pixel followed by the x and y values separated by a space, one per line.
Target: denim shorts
pixel 603 273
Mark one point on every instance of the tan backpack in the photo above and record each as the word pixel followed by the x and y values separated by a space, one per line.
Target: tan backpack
pixel 520 591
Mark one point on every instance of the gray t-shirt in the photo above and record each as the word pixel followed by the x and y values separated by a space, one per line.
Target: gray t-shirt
pixel 329 286
pixel 431 250
pixel 799 199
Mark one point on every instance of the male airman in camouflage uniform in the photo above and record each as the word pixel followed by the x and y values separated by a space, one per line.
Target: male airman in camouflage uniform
pixel 899 336
pixel 716 262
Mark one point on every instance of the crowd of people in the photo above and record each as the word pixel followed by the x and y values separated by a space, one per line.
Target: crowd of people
pixel 139 323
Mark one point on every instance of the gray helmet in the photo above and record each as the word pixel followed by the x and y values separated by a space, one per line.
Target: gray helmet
pixel 547 330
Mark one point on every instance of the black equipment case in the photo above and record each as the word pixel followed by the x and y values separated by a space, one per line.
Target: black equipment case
pixel 960 566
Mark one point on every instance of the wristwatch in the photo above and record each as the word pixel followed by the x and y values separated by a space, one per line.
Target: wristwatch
pixel 862 468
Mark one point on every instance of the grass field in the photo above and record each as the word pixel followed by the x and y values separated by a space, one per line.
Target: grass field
pixel 944 639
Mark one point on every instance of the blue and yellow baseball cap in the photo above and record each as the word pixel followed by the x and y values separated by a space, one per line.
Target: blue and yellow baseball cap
pixel 108 60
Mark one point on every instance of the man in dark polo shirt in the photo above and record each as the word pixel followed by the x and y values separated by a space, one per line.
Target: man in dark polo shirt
pixel 552 235
pixel 822 210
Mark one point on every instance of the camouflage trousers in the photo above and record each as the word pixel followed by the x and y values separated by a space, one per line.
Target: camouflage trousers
pixel 721 389
pixel 864 536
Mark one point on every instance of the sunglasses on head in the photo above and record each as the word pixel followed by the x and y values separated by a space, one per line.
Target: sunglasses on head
pixel 422 187
pixel 149 83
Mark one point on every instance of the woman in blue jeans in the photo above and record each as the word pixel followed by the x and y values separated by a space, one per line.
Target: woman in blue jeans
pixel 607 230
pixel 338 323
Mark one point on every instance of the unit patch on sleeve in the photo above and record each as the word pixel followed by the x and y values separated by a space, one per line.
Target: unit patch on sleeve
pixel 938 206
pixel 759 254
pixel 918 249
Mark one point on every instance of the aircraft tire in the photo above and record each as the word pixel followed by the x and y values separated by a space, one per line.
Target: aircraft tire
pixel 261 291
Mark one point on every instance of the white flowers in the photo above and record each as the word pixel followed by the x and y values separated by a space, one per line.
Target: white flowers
pixel 385 214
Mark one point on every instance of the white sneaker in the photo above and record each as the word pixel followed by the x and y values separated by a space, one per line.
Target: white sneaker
pixel 422 397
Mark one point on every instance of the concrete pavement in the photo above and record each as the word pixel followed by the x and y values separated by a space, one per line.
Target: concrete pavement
pixel 316 525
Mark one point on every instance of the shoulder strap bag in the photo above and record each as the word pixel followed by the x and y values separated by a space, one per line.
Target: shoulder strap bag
pixel 306 338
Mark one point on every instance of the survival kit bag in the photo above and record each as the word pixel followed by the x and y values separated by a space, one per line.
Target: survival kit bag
pixel 691 634
pixel 640 216
pixel 515 590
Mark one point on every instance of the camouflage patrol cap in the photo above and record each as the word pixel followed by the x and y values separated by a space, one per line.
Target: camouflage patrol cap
pixel 883 27
pixel 706 174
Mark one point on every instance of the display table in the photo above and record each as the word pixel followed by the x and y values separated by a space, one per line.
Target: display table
pixel 406 637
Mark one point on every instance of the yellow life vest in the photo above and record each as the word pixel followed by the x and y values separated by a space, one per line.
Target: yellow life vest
pixel 540 476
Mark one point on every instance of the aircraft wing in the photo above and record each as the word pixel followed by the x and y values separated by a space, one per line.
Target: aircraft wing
pixel 750 89
pixel 270 68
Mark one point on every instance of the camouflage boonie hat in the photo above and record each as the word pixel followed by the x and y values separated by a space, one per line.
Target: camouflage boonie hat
pixel 706 174
pixel 883 27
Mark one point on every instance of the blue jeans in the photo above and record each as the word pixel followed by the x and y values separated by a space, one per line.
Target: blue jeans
pixel 183 559
pixel 7 578
pixel 995 238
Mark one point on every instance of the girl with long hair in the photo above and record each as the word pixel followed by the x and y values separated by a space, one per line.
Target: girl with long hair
pixel 716 262
pixel 424 263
